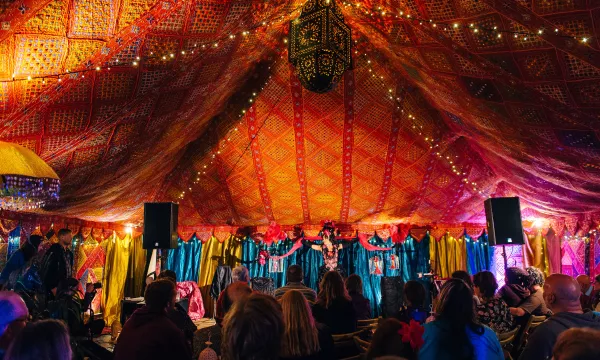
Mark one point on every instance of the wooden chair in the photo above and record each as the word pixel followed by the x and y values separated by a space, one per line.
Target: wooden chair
pixel 368 324
pixel 536 321
pixel 507 340
pixel 363 346
pixel 345 347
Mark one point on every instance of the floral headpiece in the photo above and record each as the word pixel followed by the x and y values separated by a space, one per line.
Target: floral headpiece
pixel 412 333
pixel 328 228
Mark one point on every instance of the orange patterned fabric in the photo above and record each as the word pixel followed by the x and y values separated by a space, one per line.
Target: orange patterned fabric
pixel 431 121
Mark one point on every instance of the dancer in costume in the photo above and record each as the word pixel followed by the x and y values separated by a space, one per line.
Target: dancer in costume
pixel 330 250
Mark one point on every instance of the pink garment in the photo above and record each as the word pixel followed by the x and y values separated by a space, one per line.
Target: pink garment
pixel 189 290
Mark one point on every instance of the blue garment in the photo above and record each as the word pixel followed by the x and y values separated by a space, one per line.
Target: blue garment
pixel 486 346
pixel 185 260
pixel 16 261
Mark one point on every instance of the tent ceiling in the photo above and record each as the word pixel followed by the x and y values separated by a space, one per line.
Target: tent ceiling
pixel 428 124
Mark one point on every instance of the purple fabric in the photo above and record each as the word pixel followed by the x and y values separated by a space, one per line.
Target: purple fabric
pixel 553 247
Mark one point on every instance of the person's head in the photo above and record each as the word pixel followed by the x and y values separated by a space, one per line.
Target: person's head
pixel 252 329
pixel 387 341
pixel 456 311
pixel 584 282
pixel 464 276
pixel 65 236
pixel 561 294
pixel 168 274
pixel 484 284
pixel 294 274
pixel 597 283
pixel 13 317
pixel 160 295
pixel 415 293
pixel 354 284
pixel 332 287
pixel 41 340
pixel 517 276
pixel 30 247
pixel 240 273
pixel 536 277
pixel 235 292
pixel 300 337
pixel 577 344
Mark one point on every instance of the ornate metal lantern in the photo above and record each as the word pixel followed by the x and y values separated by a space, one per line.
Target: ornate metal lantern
pixel 320 45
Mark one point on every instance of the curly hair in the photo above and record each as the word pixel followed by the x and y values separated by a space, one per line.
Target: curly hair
pixel 536 276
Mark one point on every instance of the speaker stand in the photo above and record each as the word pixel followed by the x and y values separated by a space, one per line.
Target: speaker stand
pixel 504 257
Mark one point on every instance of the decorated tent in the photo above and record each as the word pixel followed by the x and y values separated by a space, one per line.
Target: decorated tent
pixel 444 104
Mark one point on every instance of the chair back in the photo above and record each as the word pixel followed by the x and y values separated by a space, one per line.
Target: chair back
pixel 506 339
pixel 367 324
pixel 536 321
pixel 344 345
pixel 363 346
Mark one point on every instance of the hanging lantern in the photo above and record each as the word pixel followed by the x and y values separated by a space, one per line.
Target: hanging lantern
pixel 26 181
pixel 320 45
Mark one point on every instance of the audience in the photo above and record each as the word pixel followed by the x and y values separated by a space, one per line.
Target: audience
pixel 20 257
pixel 362 305
pixel 388 341
pixel 177 314
pixel 149 334
pixel 414 308
pixel 561 294
pixel 516 288
pixel 455 333
pixel 238 274
pixel 334 306
pixel 491 311
pixel 466 277
pixel 41 340
pixel 237 291
pixel 294 277
pixel 253 329
pixel 534 304
pixel 578 344
pixel 57 264
pixel 302 337
pixel 13 318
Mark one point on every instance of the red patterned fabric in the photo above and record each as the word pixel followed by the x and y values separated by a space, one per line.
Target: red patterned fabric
pixel 189 290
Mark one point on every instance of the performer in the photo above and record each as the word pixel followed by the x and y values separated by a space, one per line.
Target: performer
pixel 329 249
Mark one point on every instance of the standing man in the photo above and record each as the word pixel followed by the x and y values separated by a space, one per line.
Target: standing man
pixel 57 264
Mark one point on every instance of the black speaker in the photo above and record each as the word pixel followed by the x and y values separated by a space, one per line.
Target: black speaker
pixel 160 225
pixel 503 216
pixel 392 295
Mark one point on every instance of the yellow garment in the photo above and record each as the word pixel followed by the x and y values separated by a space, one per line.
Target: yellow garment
pixel 537 252
pixel 447 255
pixel 115 274
pixel 231 252
pixel 135 272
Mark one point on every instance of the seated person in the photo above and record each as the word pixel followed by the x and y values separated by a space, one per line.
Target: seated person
pixel 177 314
pixel 589 292
pixel 294 277
pixel 238 274
pixel 466 277
pixel 561 294
pixel 516 288
pixel 69 306
pixel 362 305
pixel 334 306
pixel 149 334
pixel 388 340
pixel 414 309
pixel 534 304
pixel 13 319
pixel 491 311
pixel 19 259
pixel 236 291
pixel 577 344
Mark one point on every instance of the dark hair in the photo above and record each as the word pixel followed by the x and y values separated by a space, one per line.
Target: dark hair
pixel 577 344
pixel 354 284
pixel 415 293
pixel 486 282
pixel 332 287
pixel 64 231
pixel 30 247
pixel 234 291
pixel 517 276
pixel 159 293
pixel 253 329
pixel 41 340
pixel 168 274
pixel 240 273
pixel 464 276
pixel 388 342
pixel 455 312
pixel 294 273
pixel 597 278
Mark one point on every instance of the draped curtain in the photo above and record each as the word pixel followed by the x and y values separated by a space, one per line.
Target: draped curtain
pixel 447 255
pixel 185 260
pixel 137 265
pixel 479 255
pixel 250 250
pixel 115 274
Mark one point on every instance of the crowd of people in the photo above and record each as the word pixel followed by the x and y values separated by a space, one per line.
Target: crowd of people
pixel 469 315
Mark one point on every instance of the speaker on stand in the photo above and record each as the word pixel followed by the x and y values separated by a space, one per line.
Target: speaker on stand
pixel 504 224
pixel 160 225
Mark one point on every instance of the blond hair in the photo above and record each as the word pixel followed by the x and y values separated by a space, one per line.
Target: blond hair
pixel 300 336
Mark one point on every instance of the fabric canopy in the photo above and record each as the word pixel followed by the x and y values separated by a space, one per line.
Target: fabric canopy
pixel 447 104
